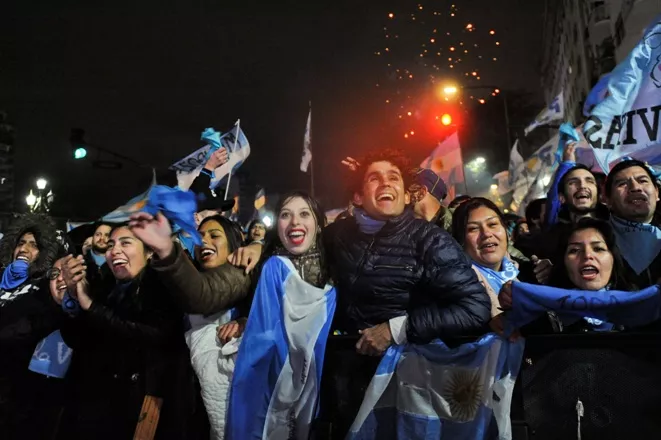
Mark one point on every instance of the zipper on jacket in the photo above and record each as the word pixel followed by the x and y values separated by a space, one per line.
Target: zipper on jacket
pixel 392 266
pixel 363 259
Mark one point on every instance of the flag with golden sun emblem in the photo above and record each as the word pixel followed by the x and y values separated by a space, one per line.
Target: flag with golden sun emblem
pixel 435 392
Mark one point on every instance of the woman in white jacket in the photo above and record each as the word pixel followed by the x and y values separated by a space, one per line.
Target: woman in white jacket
pixel 210 293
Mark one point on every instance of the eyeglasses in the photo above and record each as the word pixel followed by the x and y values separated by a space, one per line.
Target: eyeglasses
pixel 53 273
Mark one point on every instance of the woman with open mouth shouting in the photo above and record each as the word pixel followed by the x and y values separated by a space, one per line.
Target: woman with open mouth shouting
pixel 127 343
pixel 285 335
pixel 588 260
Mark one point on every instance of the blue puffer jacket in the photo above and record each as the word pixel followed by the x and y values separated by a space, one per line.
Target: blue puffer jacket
pixel 410 267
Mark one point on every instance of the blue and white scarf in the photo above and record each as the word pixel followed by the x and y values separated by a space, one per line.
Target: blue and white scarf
pixel 496 279
pixel 277 377
pixel 639 243
pixel 529 301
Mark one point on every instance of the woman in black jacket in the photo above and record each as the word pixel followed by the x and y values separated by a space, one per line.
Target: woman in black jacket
pixel 128 344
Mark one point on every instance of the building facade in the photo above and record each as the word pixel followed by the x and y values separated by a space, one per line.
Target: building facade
pixel 585 39
pixel 6 164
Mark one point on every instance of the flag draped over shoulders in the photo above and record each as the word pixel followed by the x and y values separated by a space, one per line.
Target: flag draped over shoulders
pixel 434 392
pixel 276 380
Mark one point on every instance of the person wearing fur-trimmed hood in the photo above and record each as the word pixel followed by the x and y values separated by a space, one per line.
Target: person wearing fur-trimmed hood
pixel 29 312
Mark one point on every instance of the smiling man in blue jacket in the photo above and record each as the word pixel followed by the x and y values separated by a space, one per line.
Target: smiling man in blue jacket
pixel 399 278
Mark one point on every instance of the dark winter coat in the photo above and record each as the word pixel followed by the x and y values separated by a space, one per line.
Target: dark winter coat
pixel 28 314
pixel 411 267
pixel 127 345
pixel 203 293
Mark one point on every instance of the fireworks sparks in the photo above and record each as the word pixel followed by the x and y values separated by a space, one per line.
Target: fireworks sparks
pixel 422 47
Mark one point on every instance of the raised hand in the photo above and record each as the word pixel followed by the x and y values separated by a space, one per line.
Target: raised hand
pixel 154 231
pixel 351 163
pixel 74 271
pixel 218 158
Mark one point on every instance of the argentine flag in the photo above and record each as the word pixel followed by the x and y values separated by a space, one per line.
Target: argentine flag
pixel 626 121
pixel 276 380
pixel 434 392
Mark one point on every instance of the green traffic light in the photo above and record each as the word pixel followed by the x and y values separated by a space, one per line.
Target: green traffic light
pixel 79 153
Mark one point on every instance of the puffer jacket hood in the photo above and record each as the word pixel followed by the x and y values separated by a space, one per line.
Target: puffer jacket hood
pixel 44 232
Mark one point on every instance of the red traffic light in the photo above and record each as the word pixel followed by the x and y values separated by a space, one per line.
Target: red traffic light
pixel 446 119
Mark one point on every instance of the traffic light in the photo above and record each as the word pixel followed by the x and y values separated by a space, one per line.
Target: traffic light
pixel 78 144
pixel 446 119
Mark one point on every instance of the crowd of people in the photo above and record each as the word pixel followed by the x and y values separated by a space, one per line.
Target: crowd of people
pixel 144 329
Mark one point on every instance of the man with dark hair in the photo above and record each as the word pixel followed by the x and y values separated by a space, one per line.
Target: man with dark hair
pixel 427 193
pixel 95 247
pixel 398 279
pixel 426 285
pixel 632 193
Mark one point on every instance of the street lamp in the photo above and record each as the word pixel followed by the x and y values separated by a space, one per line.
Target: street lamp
pixel 41 201
pixel 449 90
pixel 31 200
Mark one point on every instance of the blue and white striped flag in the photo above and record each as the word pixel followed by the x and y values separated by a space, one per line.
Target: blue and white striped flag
pixel 234 141
pixel 555 111
pixel 177 206
pixel 430 391
pixel 626 122
pixel 275 388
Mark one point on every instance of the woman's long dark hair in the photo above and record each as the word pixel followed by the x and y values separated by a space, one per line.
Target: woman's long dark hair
pixel 232 231
pixel 619 279
pixel 462 213
pixel 273 243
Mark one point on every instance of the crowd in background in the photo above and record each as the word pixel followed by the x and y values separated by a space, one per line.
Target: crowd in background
pixel 146 316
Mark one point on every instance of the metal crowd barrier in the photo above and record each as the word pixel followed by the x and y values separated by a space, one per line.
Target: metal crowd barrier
pixel 615 376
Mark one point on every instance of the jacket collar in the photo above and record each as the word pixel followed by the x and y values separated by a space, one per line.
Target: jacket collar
pixel 393 225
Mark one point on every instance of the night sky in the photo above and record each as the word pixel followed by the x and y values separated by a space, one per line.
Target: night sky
pixel 145 78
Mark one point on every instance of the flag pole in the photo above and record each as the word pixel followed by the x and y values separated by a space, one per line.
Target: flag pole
pixel 311 160
pixel 236 140
pixel 312 178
